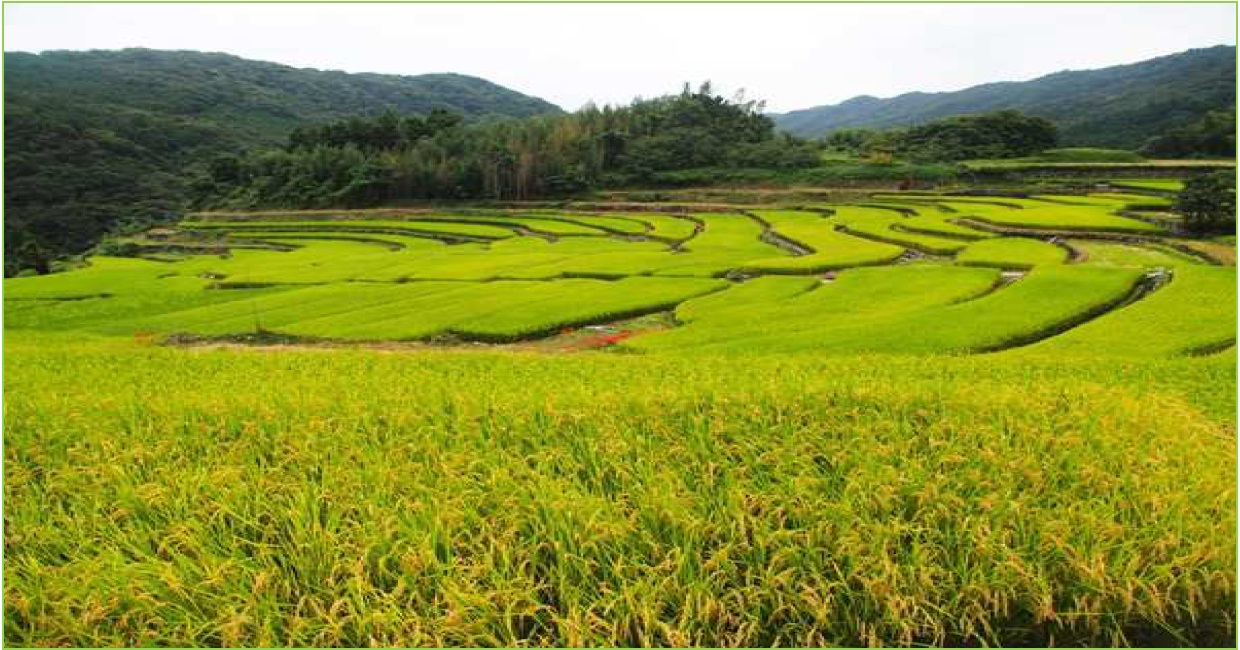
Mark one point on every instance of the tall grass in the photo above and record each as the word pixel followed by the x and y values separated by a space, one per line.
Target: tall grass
pixel 168 497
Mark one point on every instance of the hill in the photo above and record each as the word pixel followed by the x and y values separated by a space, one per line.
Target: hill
pixel 259 100
pixel 1120 106
pixel 95 137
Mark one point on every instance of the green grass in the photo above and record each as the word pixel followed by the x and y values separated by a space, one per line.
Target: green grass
pixel 1012 253
pixel 226 498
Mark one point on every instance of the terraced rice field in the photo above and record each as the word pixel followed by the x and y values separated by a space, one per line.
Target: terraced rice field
pixel 1155 184
pixel 825 245
pixel 918 419
pixel 1012 253
pixel 1094 213
pixel 887 225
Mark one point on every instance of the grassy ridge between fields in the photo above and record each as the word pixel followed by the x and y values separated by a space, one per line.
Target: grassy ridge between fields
pixel 170 497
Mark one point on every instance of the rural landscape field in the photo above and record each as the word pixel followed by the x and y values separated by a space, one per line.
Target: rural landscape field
pixel 670 373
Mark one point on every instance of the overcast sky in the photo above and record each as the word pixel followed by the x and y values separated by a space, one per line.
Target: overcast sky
pixel 792 55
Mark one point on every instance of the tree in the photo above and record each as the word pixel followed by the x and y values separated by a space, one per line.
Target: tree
pixel 359 162
pixel 1208 203
pixel 1213 136
pixel 1003 134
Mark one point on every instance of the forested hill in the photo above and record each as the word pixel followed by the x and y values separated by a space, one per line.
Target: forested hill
pixel 96 137
pixel 1120 106
pixel 260 100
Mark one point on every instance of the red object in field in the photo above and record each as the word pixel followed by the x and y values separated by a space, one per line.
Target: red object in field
pixel 143 338
pixel 604 340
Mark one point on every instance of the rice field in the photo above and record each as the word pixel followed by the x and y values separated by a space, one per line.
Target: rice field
pixel 867 424
pixel 887 225
pixel 1155 184
pixel 1084 213
pixel 1154 326
pixel 1012 253
pixel 826 247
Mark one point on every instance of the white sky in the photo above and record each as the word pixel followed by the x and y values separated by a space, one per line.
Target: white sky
pixel 792 55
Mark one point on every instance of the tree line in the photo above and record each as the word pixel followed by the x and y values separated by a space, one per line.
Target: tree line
pixel 1002 134
pixel 360 162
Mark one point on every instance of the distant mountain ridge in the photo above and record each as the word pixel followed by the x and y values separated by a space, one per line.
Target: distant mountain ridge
pixel 1119 106
pixel 92 138
pixel 261 99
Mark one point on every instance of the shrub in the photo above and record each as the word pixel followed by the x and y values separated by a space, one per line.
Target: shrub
pixel 1208 203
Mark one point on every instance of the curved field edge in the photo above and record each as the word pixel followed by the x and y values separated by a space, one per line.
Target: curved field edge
pixel 501 311
pixel 913 310
pixel 795 501
pixel 1189 315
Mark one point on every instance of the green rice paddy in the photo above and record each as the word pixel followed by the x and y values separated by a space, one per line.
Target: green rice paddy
pixel 1012 252
pixel 879 423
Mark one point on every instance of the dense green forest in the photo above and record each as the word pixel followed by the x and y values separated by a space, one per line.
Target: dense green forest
pixel 695 137
pixel 1121 106
pixel 94 138
pixel 1214 135
pixel 255 101
pixel 360 162
pixel 1003 134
